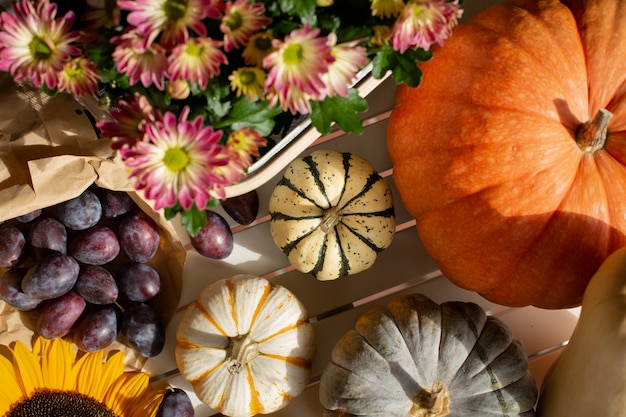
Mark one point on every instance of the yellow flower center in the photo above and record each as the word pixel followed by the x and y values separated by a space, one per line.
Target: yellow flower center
pixel 246 77
pixel 175 9
pixel 292 54
pixel 423 14
pixel 234 21
pixel 40 49
pixel 48 403
pixel 193 49
pixel 176 159
pixel 417 10
pixel 73 71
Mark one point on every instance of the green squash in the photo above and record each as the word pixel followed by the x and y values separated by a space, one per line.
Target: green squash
pixel 418 358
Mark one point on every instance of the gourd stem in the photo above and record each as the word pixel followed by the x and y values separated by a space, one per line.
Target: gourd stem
pixel 433 402
pixel 591 135
pixel 240 350
pixel 332 216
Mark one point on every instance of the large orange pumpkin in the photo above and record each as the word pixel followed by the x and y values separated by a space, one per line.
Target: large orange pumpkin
pixel 507 154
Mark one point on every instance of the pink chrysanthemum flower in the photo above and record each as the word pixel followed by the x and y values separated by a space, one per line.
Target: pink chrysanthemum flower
pixel 241 20
pixel 349 58
pixel 386 8
pixel 177 163
pixel 423 23
pixel 258 47
pixel 178 89
pixel 232 172
pixel 197 60
pixel 34 44
pixel 171 19
pixel 140 63
pixel 245 143
pixel 297 63
pixel 129 119
pixel 79 77
pixel 248 81
pixel 295 100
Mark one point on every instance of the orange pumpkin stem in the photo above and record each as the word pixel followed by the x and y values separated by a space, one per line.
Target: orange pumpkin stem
pixel 591 135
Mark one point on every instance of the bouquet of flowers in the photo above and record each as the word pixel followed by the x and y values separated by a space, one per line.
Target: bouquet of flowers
pixel 193 89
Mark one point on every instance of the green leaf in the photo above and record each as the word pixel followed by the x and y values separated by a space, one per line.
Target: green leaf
pixel 255 114
pixel 342 110
pixel 404 66
pixel 192 220
pixel 354 32
pixel 216 103
pixel 302 8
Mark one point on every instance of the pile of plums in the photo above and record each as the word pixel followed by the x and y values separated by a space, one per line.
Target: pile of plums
pixel 82 267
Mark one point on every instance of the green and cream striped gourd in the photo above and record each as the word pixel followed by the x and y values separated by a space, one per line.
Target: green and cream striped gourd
pixel 331 214
pixel 416 358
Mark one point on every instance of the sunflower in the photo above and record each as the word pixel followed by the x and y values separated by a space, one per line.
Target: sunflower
pixel 52 381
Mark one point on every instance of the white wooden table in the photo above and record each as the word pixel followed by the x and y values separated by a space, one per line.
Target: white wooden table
pixel 335 306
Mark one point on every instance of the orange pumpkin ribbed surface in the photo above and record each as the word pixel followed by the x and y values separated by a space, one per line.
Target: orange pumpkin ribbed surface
pixel 511 154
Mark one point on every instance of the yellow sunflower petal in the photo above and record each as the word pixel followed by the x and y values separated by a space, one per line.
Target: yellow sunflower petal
pixel 28 366
pixel 89 374
pixel 57 363
pixel 110 372
pixel 147 406
pixel 125 390
pixel 11 391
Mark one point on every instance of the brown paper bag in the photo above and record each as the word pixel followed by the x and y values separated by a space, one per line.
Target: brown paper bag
pixel 50 153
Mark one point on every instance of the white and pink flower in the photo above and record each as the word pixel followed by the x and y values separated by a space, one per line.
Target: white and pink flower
pixel 178 162
pixel 197 60
pixel 169 19
pixel 349 58
pixel 241 20
pixel 145 64
pixel 296 67
pixel 128 122
pixel 34 43
pixel 424 23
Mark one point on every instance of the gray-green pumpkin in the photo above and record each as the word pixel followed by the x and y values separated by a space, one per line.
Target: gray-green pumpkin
pixel 331 214
pixel 417 358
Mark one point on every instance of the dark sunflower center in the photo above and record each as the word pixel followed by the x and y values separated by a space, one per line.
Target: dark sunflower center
pixel 59 403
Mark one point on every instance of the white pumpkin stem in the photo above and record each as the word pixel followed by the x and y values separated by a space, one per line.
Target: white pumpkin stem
pixel 332 216
pixel 240 350
pixel 433 402
pixel 591 135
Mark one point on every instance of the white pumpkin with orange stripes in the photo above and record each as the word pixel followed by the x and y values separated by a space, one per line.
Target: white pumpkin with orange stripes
pixel 246 346
pixel 331 214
